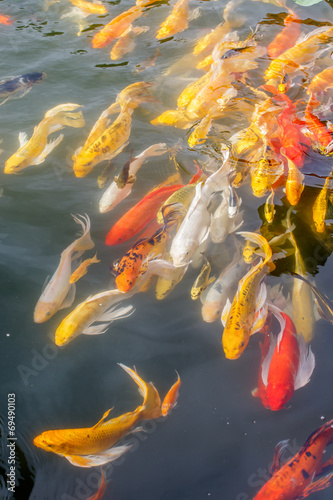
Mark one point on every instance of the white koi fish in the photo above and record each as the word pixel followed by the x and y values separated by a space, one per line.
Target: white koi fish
pixel 59 292
pixel 116 192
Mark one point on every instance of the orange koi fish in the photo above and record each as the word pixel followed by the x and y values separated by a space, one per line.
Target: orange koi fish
pixel 115 28
pixel 135 261
pixel 294 183
pixel 286 364
pixel 82 269
pixel 143 212
pixel 318 132
pixel 177 21
pixel 296 478
pixel 89 7
pixel 319 84
pixel 5 20
pixel 287 37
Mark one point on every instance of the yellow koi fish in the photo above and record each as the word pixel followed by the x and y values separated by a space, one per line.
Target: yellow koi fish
pixel 83 268
pixel 106 141
pixel 203 280
pixel 126 42
pixel 239 317
pixel 176 22
pixel 302 298
pixel 59 292
pixel 92 446
pixel 319 208
pixel 36 149
pixel 294 182
pixel 99 309
pixel 90 7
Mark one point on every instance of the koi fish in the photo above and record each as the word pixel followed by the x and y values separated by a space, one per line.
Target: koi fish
pixel 287 37
pixel 247 313
pixel 107 140
pixel 101 490
pixel 176 22
pixel 5 20
pixel 296 479
pixel 92 446
pixel 294 182
pixel 286 364
pixel 223 288
pixel 59 293
pixel 302 300
pixel 82 269
pixel 319 208
pixel 136 259
pixel 126 42
pixel 99 309
pixel 165 284
pixel 269 207
pixel 90 7
pixel 143 212
pixel 203 280
pixel 324 304
pixel 36 149
pixel 319 84
pixel 116 27
pixel 222 223
pixel 194 229
pixel 15 87
pixel 122 185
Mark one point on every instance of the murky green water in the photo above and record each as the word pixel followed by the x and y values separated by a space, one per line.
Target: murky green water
pixel 219 441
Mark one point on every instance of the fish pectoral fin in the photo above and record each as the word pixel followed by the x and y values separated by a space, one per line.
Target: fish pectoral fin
pixel 97 329
pixel 105 414
pixel 306 364
pixel 278 452
pixel 113 314
pixel 255 392
pixel 69 299
pixel 99 458
pixel 47 150
pixel 318 485
pixel 23 139
pixel 225 312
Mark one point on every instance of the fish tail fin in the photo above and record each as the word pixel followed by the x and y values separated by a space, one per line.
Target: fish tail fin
pixel 133 95
pixel 84 242
pixel 172 213
pixel 170 400
pixel 262 243
pixel 151 406
pixel 61 108
pixel 197 176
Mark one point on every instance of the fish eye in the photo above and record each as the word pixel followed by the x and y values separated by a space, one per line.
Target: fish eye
pixel 47 313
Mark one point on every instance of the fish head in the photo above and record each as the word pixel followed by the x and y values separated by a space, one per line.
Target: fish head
pixel 85 161
pixel 277 395
pixel 234 344
pixel 65 333
pixel 211 311
pixel 36 77
pixel 125 281
pixel 14 164
pixel 50 441
pixel 182 254
pixel 44 311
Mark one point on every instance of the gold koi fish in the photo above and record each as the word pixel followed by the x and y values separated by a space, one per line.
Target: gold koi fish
pixel 241 321
pixel 319 208
pixel 203 280
pixel 36 149
pixel 82 269
pixel 177 21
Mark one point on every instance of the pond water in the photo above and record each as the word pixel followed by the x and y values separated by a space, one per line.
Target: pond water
pixel 218 442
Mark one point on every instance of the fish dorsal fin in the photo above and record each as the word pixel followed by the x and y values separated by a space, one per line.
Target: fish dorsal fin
pixel 278 452
pixel 23 139
pixel 267 361
pixel 106 414
pixel 306 364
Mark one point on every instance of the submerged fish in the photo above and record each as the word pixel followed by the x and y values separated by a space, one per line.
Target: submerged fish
pixel 299 476
pixel 203 280
pixel 82 269
pixel 286 364
pixel 14 87
pixel 93 446
pixel 36 149
pixel 59 292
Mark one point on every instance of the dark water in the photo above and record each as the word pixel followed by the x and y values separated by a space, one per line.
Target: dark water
pixel 219 441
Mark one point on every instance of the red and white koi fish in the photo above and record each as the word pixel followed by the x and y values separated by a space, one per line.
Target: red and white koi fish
pixel 286 363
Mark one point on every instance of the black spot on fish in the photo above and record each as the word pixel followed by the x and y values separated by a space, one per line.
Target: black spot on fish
pixel 305 474
pixel 308 453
